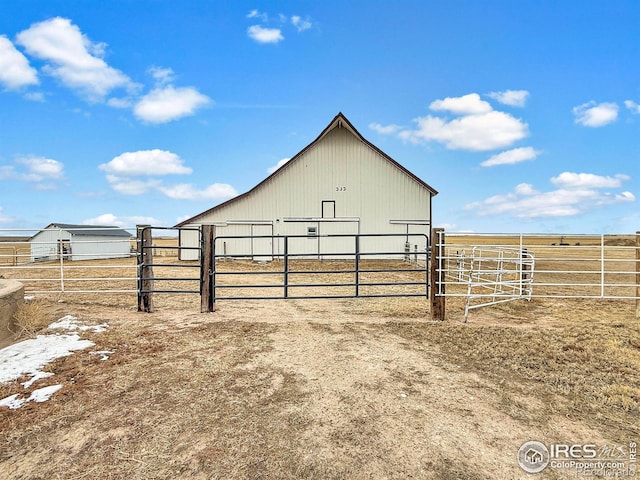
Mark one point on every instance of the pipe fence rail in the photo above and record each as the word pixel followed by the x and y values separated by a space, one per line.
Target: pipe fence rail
pixel 479 267
pixel 491 275
pixel 53 260
pixel 294 273
pixel 603 266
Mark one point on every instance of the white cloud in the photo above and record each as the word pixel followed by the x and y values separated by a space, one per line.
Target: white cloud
pixel 277 165
pixel 165 104
pixel 128 186
pixel 633 106
pixel 131 173
pixel 477 128
pixel 146 162
pixel 34 96
pixel 256 14
pixel 525 189
pixel 186 191
pixel 41 168
pixel 265 35
pixel 35 169
pixel 300 24
pixel 447 226
pixel 15 71
pixel 111 219
pixel 625 197
pixel 4 218
pixel 574 197
pixel 486 131
pixel 162 75
pixel 73 58
pixel 591 114
pixel 511 157
pixel 514 98
pixel 124 102
pixel 588 180
pixel 466 105
pixel 385 129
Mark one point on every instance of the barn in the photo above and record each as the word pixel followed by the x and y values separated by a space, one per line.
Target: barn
pixel 79 242
pixel 339 184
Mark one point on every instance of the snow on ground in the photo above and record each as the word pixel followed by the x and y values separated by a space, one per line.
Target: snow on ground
pixel 39 395
pixel 30 356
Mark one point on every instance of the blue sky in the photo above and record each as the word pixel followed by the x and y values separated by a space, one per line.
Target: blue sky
pixel 524 115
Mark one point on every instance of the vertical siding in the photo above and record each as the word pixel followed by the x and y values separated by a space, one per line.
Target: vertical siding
pixel 44 246
pixel 189 238
pixel 341 168
pixel 95 247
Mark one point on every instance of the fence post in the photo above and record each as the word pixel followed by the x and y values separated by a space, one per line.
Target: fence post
pixel 524 276
pixel 207 300
pixel 638 274
pixel 436 295
pixel 145 269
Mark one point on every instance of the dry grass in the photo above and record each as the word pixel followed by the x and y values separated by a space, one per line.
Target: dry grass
pixel 325 389
pixel 30 318
pixel 311 390
pixel 591 363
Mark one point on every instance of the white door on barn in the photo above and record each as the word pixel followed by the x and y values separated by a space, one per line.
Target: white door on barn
pixel 262 242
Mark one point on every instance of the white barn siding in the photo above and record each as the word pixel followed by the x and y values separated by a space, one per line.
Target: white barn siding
pixel 189 238
pixel 45 245
pixel 341 167
pixel 95 247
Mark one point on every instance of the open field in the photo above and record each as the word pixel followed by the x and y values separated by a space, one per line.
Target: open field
pixel 326 389
pixel 323 389
pixel 13 250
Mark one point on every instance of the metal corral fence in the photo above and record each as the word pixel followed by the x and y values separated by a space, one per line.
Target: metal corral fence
pixel 483 268
pixel 70 259
pixel 490 268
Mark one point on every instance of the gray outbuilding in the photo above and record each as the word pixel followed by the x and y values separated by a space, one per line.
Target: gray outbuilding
pixel 80 242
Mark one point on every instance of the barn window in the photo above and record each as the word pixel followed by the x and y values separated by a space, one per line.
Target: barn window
pixel 328 209
pixel 312 231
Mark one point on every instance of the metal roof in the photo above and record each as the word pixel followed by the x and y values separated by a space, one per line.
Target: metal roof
pixel 95 230
pixel 339 121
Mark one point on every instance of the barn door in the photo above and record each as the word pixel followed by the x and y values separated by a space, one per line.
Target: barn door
pixel 262 248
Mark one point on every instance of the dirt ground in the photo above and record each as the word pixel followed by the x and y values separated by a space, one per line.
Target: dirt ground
pixel 326 389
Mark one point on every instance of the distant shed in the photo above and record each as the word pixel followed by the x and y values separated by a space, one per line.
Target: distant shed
pixel 80 242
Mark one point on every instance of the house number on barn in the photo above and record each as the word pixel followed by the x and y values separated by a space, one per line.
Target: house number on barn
pixel 341 189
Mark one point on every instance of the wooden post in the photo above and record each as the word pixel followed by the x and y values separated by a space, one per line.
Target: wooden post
pixel 638 274
pixel 145 269
pixel 524 276
pixel 207 299
pixel 436 294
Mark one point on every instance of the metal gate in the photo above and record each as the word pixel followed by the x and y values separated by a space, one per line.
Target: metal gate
pixel 294 268
pixel 153 263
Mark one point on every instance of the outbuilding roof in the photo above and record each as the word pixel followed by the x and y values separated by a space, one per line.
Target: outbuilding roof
pixel 339 121
pixel 94 230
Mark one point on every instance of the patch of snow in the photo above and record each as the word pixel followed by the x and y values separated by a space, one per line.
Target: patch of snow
pixel 40 395
pixel 35 377
pixel 104 354
pixel 71 323
pixel 29 356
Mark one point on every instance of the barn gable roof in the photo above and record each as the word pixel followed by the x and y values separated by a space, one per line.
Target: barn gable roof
pixel 339 121
pixel 95 230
